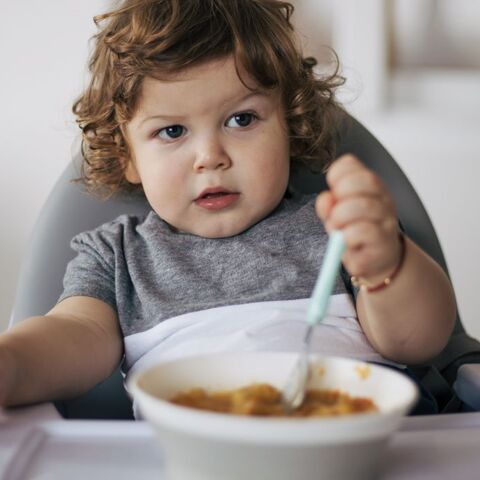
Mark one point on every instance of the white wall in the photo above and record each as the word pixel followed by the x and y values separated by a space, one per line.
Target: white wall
pixel 43 49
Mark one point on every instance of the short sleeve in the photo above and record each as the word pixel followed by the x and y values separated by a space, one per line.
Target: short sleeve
pixel 91 272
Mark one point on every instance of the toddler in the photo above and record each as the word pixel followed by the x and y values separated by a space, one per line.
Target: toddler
pixel 206 106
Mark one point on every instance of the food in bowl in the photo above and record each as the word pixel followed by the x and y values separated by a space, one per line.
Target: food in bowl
pixel 262 399
pixel 204 445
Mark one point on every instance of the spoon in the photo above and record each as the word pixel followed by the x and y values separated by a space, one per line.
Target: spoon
pixel 293 392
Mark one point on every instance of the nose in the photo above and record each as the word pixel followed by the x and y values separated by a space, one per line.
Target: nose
pixel 211 155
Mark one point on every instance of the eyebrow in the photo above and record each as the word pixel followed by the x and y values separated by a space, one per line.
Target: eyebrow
pixel 254 93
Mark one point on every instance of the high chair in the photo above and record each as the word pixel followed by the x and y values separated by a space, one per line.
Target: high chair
pixel 68 211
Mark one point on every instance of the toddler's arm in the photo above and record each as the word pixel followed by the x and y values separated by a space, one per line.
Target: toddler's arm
pixel 62 354
pixel 411 319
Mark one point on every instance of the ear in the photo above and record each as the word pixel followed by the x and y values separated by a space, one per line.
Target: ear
pixel 131 173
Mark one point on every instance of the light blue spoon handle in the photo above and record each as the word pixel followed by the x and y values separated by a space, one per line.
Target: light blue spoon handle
pixel 326 278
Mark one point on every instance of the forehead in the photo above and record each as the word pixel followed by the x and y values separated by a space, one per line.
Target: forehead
pixel 214 83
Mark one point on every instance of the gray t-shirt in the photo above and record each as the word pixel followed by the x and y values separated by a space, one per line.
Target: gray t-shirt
pixel 148 272
pixel 179 295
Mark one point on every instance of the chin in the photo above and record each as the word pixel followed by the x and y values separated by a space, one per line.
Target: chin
pixel 222 231
pixel 220 234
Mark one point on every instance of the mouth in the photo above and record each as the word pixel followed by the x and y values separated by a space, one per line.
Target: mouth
pixel 214 193
pixel 216 198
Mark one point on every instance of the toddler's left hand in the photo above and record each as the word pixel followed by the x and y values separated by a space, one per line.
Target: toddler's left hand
pixel 359 204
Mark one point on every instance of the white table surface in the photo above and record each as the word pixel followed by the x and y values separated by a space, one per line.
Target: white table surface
pixel 36 444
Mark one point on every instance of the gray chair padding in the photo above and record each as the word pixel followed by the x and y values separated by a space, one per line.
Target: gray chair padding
pixel 68 211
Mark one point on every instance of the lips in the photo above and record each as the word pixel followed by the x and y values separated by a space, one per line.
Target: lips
pixel 216 198
pixel 213 191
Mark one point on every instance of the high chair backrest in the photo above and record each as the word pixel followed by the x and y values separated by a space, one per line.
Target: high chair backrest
pixel 68 211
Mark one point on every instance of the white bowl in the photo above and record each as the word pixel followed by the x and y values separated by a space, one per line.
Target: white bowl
pixel 200 445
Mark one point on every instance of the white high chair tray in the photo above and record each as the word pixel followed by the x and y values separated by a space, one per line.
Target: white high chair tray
pixel 79 450
pixel 437 448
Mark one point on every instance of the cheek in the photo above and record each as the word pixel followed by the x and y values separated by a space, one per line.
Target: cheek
pixel 275 154
pixel 157 164
pixel 270 168
pixel 160 178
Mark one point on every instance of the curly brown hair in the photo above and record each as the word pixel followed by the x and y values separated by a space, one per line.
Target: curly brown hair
pixel 153 37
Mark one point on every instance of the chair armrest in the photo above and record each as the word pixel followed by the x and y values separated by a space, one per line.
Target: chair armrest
pixel 467 385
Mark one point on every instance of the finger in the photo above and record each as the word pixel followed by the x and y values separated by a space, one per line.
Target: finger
pixel 342 166
pixel 360 208
pixel 361 182
pixel 370 250
pixel 361 254
pixel 359 234
pixel 324 204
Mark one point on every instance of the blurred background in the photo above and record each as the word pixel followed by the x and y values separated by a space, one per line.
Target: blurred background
pixel 413 78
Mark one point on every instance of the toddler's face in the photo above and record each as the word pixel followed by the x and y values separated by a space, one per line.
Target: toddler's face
pixel 212 156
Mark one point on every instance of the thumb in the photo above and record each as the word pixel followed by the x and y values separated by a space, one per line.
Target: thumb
pixel 324 205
